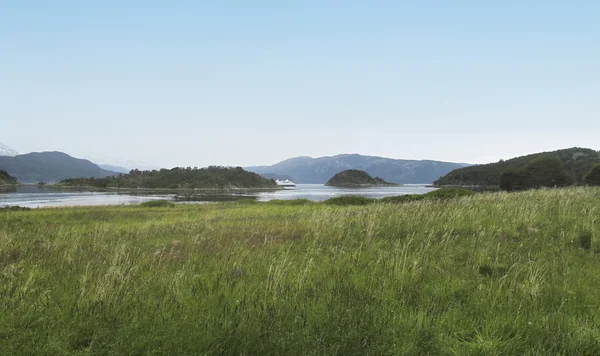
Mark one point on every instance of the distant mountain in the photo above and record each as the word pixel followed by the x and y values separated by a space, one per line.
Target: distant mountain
pixel 7 151
pixel 123 164
pixel 108 167
pixel 319 170
pixel 577 162
pixel 50 167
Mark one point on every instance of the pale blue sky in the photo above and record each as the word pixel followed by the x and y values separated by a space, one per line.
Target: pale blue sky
pixel 254 82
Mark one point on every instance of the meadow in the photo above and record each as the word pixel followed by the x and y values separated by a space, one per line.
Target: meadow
pixel 487 274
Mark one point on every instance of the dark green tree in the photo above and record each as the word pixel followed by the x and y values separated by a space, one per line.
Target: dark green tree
pixel 541 172
pixel 513 179
pixel 546 172
pixel 593 176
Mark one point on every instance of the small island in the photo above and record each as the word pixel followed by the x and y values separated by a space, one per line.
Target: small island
pixel 7 179
pixel 178 178
pixel 356 178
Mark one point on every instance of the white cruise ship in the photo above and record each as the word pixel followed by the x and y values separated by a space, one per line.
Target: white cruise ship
pixel 285 183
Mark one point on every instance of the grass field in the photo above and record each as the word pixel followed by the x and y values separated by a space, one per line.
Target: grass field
pixel 489 274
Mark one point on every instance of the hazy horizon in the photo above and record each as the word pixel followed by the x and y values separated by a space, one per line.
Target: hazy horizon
pixel 244 84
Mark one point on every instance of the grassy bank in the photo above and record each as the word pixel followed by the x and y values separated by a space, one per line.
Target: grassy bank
pixel 483 274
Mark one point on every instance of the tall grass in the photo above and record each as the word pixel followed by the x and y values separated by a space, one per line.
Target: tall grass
pixel 484 274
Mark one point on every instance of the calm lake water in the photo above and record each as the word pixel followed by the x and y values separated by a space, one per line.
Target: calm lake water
pixel 36 197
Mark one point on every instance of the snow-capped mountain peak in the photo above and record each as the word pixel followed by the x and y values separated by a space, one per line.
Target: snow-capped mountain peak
pixel 7 151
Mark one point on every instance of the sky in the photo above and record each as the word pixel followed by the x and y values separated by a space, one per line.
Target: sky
pixel 197 83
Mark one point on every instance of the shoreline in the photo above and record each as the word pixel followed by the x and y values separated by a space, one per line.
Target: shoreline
pixel 100 189
pixel 366 185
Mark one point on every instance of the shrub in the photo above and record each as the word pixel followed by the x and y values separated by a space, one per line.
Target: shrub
pixel 246 201
pixel 350 200
pixel 487 270
pixel 289 202
pixel 448 193
pixel 158 204
pixel 398 199
pixel 13 208
pixel 585 241
pixel 440 194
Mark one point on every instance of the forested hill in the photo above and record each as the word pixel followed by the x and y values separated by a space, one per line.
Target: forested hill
pixel 577 162
pixel 355 178
pixel 6 179
pixel 179 178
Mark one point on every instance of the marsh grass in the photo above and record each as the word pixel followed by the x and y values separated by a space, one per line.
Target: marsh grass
pixel 489 274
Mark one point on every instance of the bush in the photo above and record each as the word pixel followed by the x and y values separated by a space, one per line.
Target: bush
pixel 289 202
pixel 246 201
pixel 398 199
pixel 440 194
pixel 448 193
pixel 487 270
pixel 158 204
pixel 13 208
pixel 350 200
pixel 585 241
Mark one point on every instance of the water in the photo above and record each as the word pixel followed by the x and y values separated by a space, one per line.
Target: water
pixel 39 197
pixel 36 197
pixel 319 192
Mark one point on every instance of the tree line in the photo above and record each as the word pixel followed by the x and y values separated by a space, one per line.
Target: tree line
pixel 545 172
pixel 557 168
pixel 178 178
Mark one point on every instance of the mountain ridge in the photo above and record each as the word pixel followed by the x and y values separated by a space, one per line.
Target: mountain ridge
pixel 319 170
pixel 50 167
